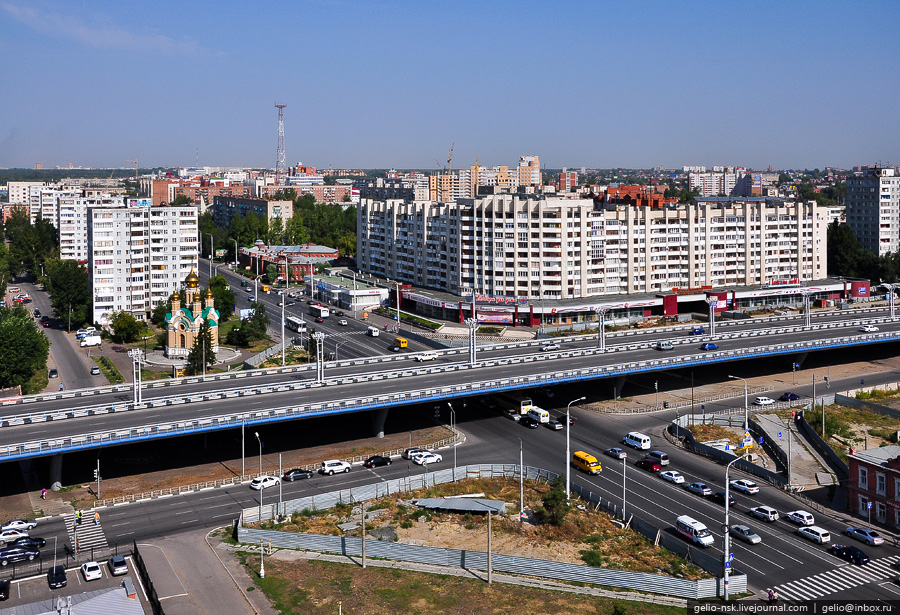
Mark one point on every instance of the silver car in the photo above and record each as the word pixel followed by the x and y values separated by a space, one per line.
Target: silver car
pixel 742 532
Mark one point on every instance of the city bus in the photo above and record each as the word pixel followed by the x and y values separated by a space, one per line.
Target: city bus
pixel 295 324
pixel 319 311
pixel 519 404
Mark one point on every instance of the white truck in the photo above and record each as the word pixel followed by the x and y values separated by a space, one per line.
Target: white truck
pixel 91 340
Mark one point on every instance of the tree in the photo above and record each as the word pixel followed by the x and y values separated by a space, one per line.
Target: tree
pixel 201 355
pixel 258 323
pixel 271 273
pixel 30 244
pixel 158 316
pixel 556 505
pixel 182 199
pixel 23 348
pixel 126 328
pixel 223 296
pixel 238 337
pixel 70 289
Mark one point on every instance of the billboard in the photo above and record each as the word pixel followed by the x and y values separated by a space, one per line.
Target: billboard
pixel 140 202
pixel 220 253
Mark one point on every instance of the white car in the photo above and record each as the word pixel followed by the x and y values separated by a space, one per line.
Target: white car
pixel 672 476
pixel 8 536
pixel 870 537
pixel 261 482
pixel 745 486
pixel 428 458
pixel 550 346
pixel 815 533
pixel 342 322
pixel 91 571
pixel 332 466
pixel 869 329
pixel 801 517
pixel 19 524
pixel 763 401
pixel 742 532
pixel 766 513
pixel 426 356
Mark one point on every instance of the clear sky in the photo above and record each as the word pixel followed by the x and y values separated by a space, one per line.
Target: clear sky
pixel 393 84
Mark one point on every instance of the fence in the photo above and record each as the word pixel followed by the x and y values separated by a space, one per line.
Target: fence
pixel 822 447
pixel 259 358
pixel 152 596
pixel 861 404
pixel 478 560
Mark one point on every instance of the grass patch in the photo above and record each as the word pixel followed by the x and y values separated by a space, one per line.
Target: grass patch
pixel 705 433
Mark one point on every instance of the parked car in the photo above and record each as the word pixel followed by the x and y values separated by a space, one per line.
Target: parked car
pixel 333 466
pixel 4 589
pixel 19 524
pixel 709 346
pixel 745 486
pixel 529 422
pixel 553 424
pixel 763 401
pixel 410 452
pixel 376 461
pixel 53 373
pixel 91 571
pixel 672 476
pixel 789 397
pixel 849 553
pixel 617 452
pixel 117 566
pixel 719 498
pixel 742 532
pixel 649 464
pixel 869 329
pixel 427 458
pixel 870 537
pixel 699 489
pixel 261 482
pixel 56 577
pixel 697 331
pixel 17 554
pixel 95 370
pixel 766 513
pixel 37 313
pixel 296 474
pixel 801 517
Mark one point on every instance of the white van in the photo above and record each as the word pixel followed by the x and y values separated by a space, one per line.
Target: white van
pixel 636 439
pixel 694 531
pixel 539 414
pixel 665 345
pixel 426 356
pixel 372 331
pixel 91 340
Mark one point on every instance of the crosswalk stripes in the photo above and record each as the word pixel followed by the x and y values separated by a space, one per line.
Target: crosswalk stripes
pixel 86 535
pixel 838 579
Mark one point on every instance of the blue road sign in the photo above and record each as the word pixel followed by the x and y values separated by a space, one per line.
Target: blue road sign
pixel 868 504
pixel 779 434
pixel 728 564
pixel 760 440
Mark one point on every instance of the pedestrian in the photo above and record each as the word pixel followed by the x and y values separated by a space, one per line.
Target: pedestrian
pixel 96 518
pixel 78 518
pixel 43 494
pixel 60 387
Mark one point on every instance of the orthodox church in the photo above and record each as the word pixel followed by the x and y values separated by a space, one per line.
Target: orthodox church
pixel 183 323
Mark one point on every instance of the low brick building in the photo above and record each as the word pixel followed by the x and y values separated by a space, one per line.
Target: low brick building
pixel 875 479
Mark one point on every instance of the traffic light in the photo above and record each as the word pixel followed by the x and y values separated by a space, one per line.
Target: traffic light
pixel 95 473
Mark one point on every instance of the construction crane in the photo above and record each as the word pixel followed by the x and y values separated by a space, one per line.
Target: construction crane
pixel 135 163
pixel 450 159
pixel 439 165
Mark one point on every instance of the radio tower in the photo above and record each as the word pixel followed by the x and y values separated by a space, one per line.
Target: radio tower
pixel 280 167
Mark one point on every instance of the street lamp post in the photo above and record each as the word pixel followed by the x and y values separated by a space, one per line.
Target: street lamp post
pixel 261 489
pixel 601 327
pixel 473 329
pixel 806 309
pixel 453 430
pixel 212 252
pixel 262 549
pixel 568 455
pixel 624 463
pixel 236 260
pixel 521 480
pixel 746 407
pixel 656 388
pixel 338 345
pixel 726 528
pixel 713 302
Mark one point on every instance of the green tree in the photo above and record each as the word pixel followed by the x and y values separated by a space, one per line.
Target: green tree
pixel 238 337
pixel 258 323
pixel 70 289
pixel 201 355
pixel 158 316
pixel 555 504
pixel 223 296
pixel 182 199
pixel 30 245
pixel 126 328
pixel 23 348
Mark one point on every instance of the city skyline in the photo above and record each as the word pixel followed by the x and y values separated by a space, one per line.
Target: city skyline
pixel 394 84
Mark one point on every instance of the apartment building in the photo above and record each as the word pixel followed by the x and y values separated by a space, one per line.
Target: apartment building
pixel 225 208
pixel 72 222
pixel 138 256
pixel 875 482
pixel 529 171
pixel 519 245
pixel 873 209
pixel 19 192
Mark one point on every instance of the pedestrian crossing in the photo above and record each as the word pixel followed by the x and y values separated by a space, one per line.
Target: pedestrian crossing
pixel 86 535
pixel 839 579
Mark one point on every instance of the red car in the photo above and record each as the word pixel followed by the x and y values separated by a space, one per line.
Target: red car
pixel 649 463
pixel 320 319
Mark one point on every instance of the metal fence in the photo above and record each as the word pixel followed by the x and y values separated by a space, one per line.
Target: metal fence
pixel 265 355
pixel 478 560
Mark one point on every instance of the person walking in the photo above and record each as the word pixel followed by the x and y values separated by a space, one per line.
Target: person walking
pixel 78 518
pixel 96 518
pixel 43 494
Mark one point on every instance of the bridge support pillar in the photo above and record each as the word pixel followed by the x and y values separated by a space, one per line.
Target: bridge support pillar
pixel 378 418
pixel 56 472
pixel 618 382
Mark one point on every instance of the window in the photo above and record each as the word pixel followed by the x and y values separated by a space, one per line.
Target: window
pixel 863 477
pixel 880 484
pixel 881 511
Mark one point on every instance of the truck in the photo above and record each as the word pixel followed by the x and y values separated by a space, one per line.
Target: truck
pixel 91 340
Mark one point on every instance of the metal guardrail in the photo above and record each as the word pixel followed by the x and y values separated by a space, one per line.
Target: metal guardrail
pixel 478 560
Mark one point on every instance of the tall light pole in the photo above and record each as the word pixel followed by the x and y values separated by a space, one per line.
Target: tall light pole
pixel 453 429
pixel 746 407
pixel 212 251
pixel 262 549
pixel 521 480
pixel 727 560
pixel 713 302
pixel 261 487
pixel 891 288
pixel 236 259
pixel 624 463
pixel 806 309
pixel 601 327
pixel 473 329
pixel 136 356
pixel 568 455
pixel 398 306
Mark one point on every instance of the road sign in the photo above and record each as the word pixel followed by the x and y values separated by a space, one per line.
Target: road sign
pixel 728 564
pixel 760 441
pixel 779 434
pixel 731 557
pixel 727 447
pixel 868 504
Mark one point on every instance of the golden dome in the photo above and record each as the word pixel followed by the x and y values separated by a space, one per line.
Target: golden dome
pixel 192 281
pixel 209 294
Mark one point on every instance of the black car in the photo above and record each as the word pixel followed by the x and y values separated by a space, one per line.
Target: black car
pixel 851 554
pixel 376 461
pixel 4 589
pixel 529 422
pixel 719 498
pixel 562 419
pixel 37 312
pixel 340 313
pixel 297 474
pixel 17 554
pixel 56 577
pixel 29 541
pixel 789 397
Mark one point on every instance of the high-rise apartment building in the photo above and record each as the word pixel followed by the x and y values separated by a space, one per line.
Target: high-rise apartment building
pixel 873 209
pixel 529 171
pixel 72 222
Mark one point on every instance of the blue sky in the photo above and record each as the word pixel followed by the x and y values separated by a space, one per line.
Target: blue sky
pixel 393 84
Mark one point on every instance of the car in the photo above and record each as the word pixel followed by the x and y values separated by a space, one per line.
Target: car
pixel 95 370
pixel 562 419
pixel 554 425
pixel 697 331
pixel 290 303
pixel 870 537
pixel 30 541
pixel 742 532
pixel 45 323
pixel 19 524
pixel 53 373
pixel 37 313
pixel 412 452
pixel 745 486
pixel 512 415
pixel 377 460
pixel 91 571
pixel 247 289
pixel 117 566
pixel 427 458
pixel 869 329
pixel 9 536
pixel 719 498
pixel 529 422
pixel 261 482
pixel 4 589
pixel 849 553
pixel 45 318
pixel 342 322
pixel 550 346
pixel 425 356
pixel 332 466
pixel 616 452
pixel 665 345
pixel 310 302
pixel 699 489
pixel 649 463
pixel 17 554
pixel 395 348
pixel 789 397
pixel 766 513
pixel 816 534
pixel 709 346
pixel 319 319
pixel 56 577
pixel 672 476
pixel 296 474
pixel 801 517
pixel 763 401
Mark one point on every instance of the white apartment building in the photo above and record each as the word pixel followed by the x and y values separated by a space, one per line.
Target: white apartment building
pixel 873 209
pixel 535 246
pixel 138 256
pixel 713 184
pixel 72 222
pixel 19 192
